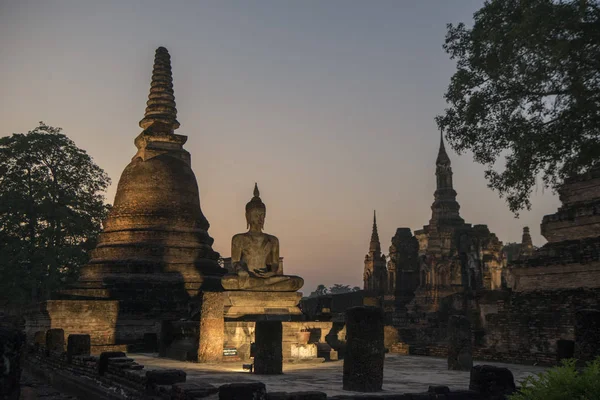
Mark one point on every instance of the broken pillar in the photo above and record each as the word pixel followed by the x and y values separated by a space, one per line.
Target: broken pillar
pixel 460 350
pixel 363 360
pixel 78 345
pixel 55 341
pixel 268 358
pixel 212 327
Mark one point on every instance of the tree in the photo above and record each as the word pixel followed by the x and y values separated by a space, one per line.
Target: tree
pixel 527 87
pixel 339 288
pixel 51 208
pixel 356 289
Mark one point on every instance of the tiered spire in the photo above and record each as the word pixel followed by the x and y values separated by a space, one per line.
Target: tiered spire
pixel 526 243
pixel 445 208
pixel 375 246
pixel 160 108
pixel 442 158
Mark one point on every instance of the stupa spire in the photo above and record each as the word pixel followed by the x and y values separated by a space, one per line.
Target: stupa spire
pixel 442 158
pixel 375 246
pixel 160 108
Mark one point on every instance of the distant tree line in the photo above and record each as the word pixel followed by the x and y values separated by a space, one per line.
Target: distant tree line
pixel 338 288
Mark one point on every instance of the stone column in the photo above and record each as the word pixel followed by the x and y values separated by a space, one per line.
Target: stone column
pixel 587 334
pixel 363 361
pixel 460 352
pixel 78 345
pixel 212 327
pixel 55 341
pixel 268 359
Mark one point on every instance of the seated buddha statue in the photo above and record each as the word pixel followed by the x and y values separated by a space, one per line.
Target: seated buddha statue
pixel 255 256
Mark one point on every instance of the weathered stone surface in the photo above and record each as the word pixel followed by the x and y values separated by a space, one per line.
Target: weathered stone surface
pixel 587 334
pixel 363 361
pixel 268 359
pixel 103 360
pixel 55 340
pixel 460 351
pixel 12 343
pixel 192 391
pixel 243 391
pixel 78 345
pixel 492 382
pixel 212 327
pixel 165 376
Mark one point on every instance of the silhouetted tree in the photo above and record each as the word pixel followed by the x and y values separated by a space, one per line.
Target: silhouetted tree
pixel 339 288
pixel 51 208
pixel 527 87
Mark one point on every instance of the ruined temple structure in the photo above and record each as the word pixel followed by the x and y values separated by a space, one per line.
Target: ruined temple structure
pixel 445 257
pixel 375 272
pixel 570 259
pixel 154 259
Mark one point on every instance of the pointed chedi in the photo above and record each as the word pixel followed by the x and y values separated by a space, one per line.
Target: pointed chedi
pixel 156 230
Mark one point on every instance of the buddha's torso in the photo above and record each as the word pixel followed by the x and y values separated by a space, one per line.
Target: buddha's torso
pixel 256 249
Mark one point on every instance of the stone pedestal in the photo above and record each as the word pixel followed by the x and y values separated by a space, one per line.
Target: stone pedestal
pixel 587 335
pixel 304 351
pixel 460 352
pixel 212 328
pixel 363 361
pixel 253 306
pixel 268 359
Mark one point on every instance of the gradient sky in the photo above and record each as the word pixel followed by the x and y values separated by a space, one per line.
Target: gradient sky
pixel 328 105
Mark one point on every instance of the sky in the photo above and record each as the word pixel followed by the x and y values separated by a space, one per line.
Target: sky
pixel 328 105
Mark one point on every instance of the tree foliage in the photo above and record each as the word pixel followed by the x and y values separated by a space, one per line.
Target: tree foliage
pixel 51 208
pixel 339 288
pixel 527 87
pixel 562 382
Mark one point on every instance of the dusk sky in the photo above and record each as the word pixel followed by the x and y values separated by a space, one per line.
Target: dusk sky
pixel 328 105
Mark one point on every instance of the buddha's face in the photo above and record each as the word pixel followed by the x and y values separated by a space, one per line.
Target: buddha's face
pixel 256 219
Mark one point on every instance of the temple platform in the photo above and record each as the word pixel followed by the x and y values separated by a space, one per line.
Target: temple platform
pixel 402 374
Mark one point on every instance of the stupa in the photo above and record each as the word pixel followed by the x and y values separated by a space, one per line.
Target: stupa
pixel 154 259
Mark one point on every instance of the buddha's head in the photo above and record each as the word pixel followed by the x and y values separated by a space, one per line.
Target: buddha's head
pixel 256 212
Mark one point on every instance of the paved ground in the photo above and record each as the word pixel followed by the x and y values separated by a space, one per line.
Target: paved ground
pixel 402 374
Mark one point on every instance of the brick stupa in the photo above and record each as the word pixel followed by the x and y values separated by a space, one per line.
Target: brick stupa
pixel 154 257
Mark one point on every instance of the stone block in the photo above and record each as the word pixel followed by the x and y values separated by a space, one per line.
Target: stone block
pixel 165 377
pixel 268 358
pixel 78 345
pixel 460 350
pixel 212 327
pixel 191 391
pixel 103 360
pixel 491 381
pixel 39 339
pixel 304 351
pixel 55 340
pixel 438 389
pixel 243 391
pixel 365 352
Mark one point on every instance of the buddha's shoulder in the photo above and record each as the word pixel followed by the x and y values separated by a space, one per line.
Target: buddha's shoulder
pixel 272 238
pixel 239 237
